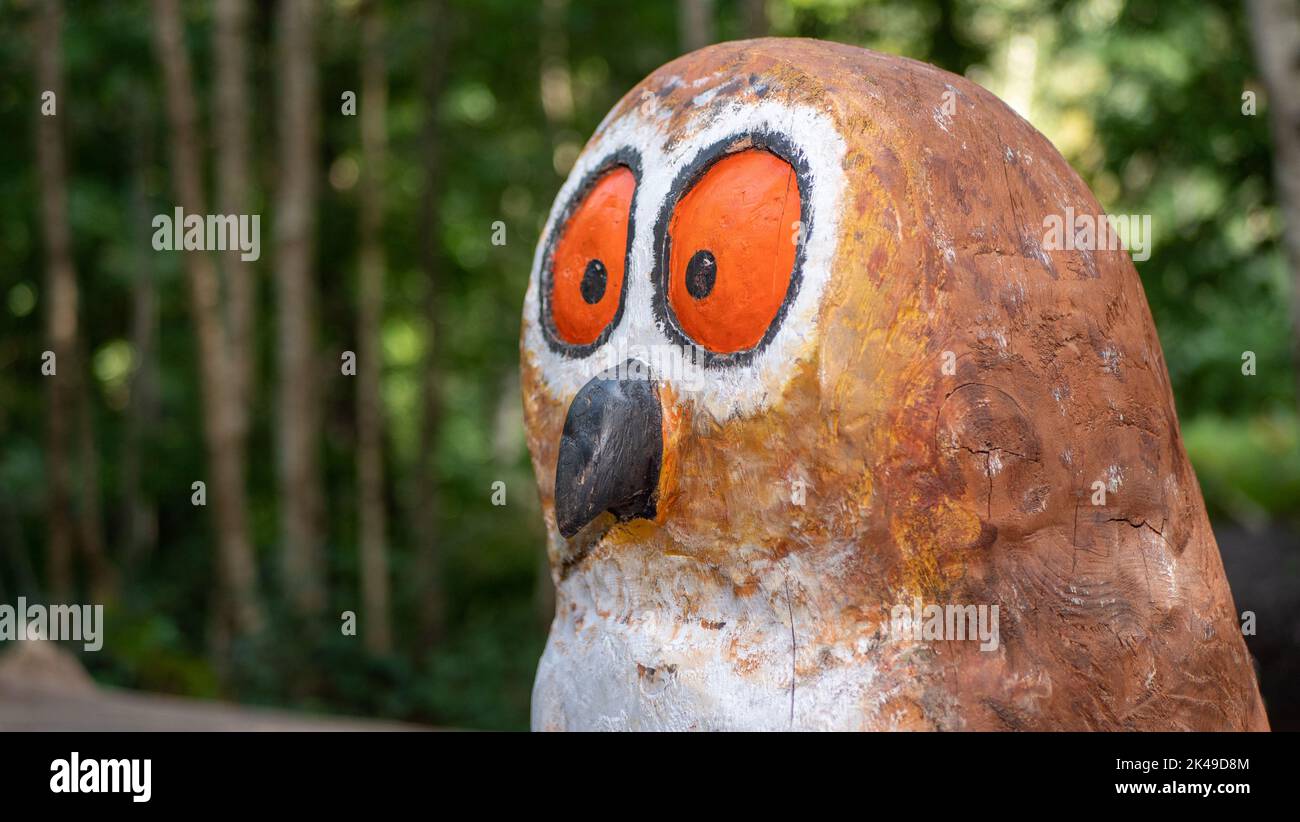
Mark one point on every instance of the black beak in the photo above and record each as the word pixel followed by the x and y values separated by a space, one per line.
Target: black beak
pixel 611 449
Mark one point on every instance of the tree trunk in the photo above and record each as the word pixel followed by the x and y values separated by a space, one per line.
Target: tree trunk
pixel 139 512
pixel 233 197
pixel 695 24
pixel 69 390
pixel 431 610
pixel 90 518
pixel 61 303
pixel 298 413
pixel 376 630
pixel 235 563
pixel 13 547
pixel 755 18
pixel 1275 28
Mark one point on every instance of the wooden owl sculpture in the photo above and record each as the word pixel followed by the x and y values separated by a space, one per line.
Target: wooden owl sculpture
pixel 828 436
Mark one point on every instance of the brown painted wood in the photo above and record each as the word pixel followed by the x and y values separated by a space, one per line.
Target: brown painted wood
pixel 966 487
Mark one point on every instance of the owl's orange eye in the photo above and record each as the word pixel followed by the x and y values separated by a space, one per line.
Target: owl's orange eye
pixel 590 258
pixel 732 242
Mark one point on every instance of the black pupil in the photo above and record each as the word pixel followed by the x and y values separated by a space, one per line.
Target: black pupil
pixel 593 282
pixel 701 274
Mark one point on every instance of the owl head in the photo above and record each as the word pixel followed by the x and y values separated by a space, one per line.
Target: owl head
pixel 795 350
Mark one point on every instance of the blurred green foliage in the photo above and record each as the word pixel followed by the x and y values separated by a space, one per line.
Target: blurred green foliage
pixel 1249 468
pixel 1142 97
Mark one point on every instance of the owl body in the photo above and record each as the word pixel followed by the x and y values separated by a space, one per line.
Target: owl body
pixel 804 377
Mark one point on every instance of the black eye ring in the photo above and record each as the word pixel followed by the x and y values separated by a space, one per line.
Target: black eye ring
pixel 630 159
pixel 782 147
